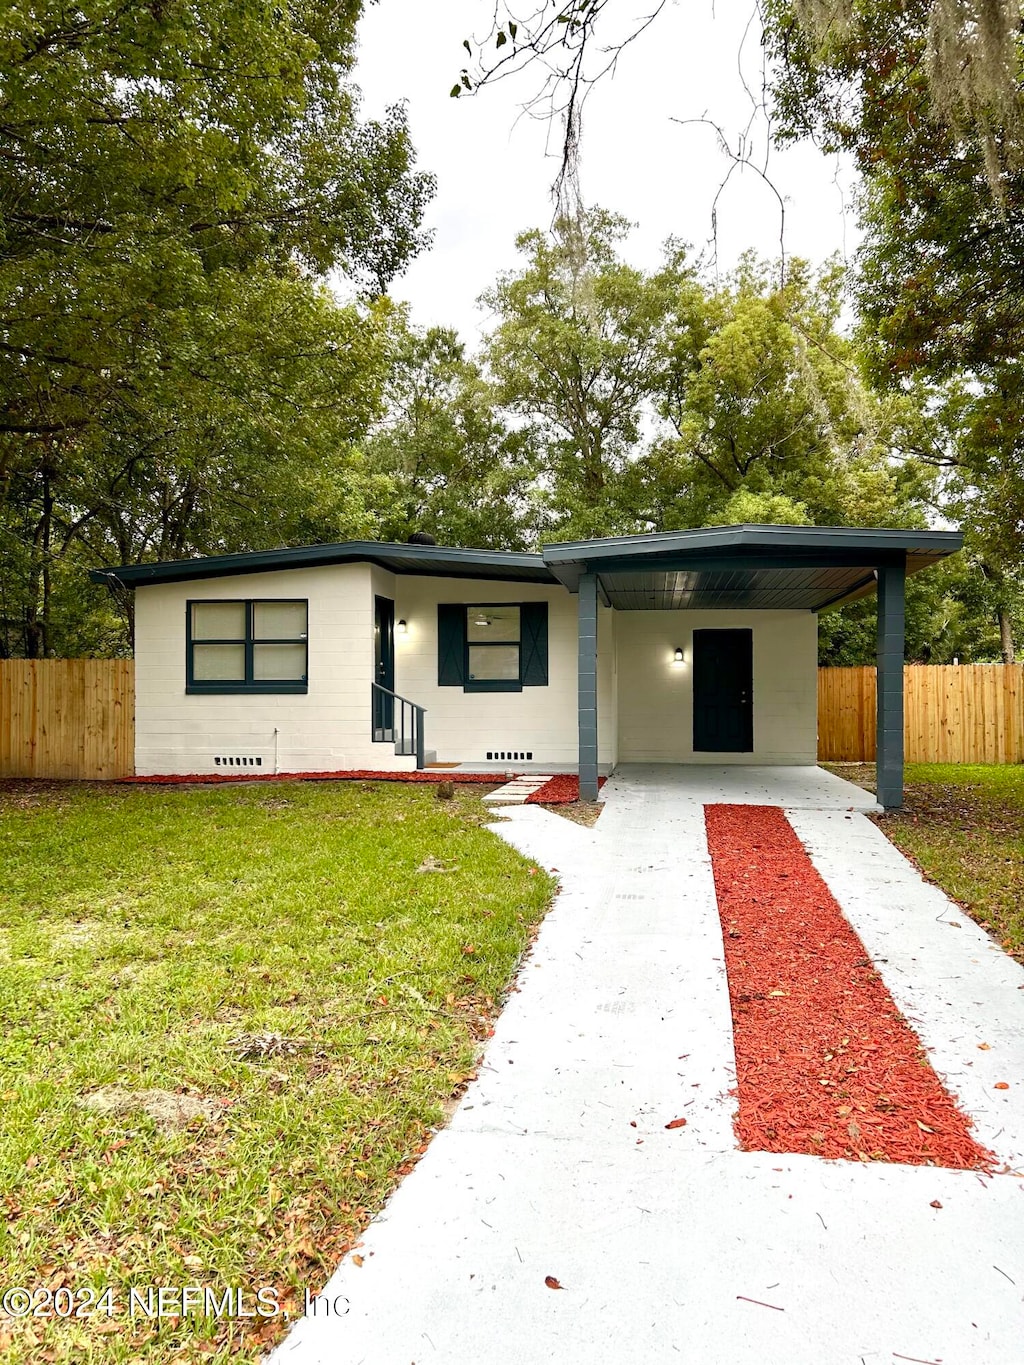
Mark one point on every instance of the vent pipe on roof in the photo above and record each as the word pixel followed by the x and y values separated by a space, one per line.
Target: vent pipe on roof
pixel 421 538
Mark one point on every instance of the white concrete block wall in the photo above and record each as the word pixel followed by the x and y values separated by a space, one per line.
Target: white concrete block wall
pixel 467 726
pixel 326 729
pixel 644 701
pixel 656 695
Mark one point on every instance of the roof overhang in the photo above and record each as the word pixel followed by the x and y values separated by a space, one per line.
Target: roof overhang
pixel 435 561
pixel 781 568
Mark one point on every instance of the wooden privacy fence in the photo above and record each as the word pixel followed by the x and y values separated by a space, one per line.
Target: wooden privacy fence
pixel 75 718
pixel 67 718
pixel 966 713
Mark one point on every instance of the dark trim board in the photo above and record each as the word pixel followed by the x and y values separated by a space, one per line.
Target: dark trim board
pixel 746 546
pixel 434 561
pixel 769 539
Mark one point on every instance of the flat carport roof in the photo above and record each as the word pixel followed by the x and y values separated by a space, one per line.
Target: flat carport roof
pixel 761 568
pixel 752 568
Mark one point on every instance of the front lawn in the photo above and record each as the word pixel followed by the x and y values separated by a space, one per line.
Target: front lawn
pixel 230 1017
pixel 964 825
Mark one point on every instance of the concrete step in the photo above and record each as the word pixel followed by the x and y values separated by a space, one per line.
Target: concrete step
pixel 514 793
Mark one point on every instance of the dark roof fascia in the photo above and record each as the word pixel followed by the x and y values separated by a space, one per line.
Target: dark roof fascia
pixel 439 561
pixel 751 536
pixel 749 547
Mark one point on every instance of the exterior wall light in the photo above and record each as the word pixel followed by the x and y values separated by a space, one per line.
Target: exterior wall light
pixel 678 657
pixel 402 628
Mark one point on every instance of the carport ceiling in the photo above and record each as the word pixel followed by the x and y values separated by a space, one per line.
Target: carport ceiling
pixel 781 568
pixel 716 589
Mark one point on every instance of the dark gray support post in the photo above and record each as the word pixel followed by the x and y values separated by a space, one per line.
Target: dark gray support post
pixel 889 676
pixel 587 609
pixel 421 750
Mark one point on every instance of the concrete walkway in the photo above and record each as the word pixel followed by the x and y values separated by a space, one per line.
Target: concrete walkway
pixel 671 1244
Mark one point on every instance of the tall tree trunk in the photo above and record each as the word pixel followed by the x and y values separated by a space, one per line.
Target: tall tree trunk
pixel 998 580
pixel 47 540
pixel 1006 636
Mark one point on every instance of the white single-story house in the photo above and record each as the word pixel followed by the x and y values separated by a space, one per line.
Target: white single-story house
pixel 678 647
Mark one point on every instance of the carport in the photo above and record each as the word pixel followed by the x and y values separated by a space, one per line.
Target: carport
pixel 752 568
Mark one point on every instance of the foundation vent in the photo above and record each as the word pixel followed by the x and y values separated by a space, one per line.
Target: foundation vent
pixel 517 755
pixel 238 761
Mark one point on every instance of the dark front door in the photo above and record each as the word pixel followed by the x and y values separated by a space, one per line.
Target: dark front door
pixel 723 688
pixel 384 667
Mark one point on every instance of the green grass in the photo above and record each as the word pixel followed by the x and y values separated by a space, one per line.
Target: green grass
pixel 144 929
pixel 964 825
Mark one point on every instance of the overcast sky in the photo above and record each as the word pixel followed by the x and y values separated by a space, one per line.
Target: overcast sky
pixel 494 172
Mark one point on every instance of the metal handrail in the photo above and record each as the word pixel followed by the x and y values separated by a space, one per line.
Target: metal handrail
pixel 415 717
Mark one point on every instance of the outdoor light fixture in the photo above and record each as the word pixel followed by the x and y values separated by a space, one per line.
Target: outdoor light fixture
pixel 678 655
pixel 402 628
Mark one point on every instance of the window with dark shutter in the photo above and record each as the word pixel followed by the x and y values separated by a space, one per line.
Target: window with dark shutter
pixel 497 647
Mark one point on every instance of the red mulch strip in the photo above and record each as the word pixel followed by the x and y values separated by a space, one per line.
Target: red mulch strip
pixel 350 775
pixel 825 1062
pixel 562 790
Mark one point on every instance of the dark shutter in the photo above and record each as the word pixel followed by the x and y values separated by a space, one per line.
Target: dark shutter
pixel 451 644
pixel 533 620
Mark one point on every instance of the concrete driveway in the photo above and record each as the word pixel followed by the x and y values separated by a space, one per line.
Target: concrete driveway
pixel 670 1244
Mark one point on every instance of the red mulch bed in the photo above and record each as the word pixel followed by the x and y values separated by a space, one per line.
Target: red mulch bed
pixel 562 790
pixel 825 1063
pixel 350 775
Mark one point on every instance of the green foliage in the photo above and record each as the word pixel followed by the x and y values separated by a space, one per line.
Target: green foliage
pixel 174 181
pixel 941 275
pixel 577 353
pixel 770 414
pixel 951 614
pixel 662 400
pixel 456 467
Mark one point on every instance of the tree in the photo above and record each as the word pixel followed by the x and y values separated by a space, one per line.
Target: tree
pixel 454 467
pixel 249 445
pixel 174 180
pixel 664 401
pixel 577 353
pixel 941 274
pixel 770 412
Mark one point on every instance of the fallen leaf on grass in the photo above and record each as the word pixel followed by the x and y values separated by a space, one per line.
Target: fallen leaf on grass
pixel 552 1283
pixel 676 1123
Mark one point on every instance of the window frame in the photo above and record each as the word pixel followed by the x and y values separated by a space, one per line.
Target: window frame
pixel 491 684
pixel 248 684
